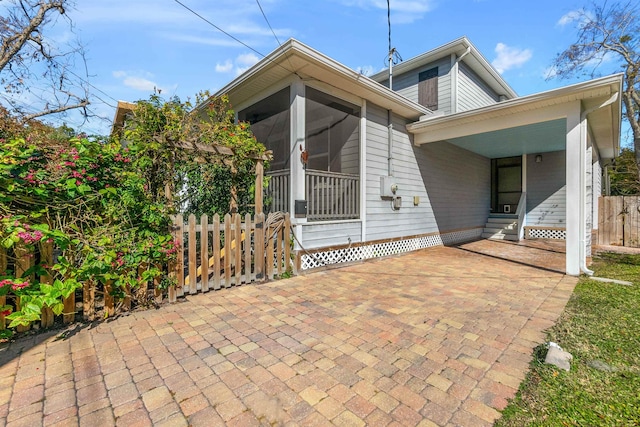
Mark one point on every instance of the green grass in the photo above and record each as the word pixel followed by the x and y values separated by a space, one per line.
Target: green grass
pixel 601 322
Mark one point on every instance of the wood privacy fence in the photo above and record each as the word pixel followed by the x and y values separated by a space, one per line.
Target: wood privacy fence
pixel 619 221
pixel 212 255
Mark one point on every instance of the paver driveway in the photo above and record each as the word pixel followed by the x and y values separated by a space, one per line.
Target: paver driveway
pixel 441 336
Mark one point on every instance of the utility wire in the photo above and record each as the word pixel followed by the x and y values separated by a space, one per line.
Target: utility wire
pixel 268 23
pixel 274 35
pixel 219 29
pixel 292 70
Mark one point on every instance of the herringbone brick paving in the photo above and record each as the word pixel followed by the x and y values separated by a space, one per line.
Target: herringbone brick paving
pixel 441 336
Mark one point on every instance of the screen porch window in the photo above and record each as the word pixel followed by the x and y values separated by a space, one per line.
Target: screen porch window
pixel 270 123
pixel 333 166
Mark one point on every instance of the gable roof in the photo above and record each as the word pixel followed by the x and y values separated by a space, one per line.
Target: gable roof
pixel 470 55
pixel 294 57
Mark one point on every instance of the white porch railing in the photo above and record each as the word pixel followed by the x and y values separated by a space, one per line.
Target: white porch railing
pixel 329 195
pixel 522 213
pixel 332 196
pixel 278 190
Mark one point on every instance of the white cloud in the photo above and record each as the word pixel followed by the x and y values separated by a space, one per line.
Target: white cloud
pixel 238 66
pixel 247 59
pixel 580 15
pixel 140 80
pixel 402 11
pixel 510 57
pixel 224 68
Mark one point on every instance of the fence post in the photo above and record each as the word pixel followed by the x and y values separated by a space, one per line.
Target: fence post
pixel 204 253
pixel 237 237
pixel 173 265
pixel 216 252
pixel 247 249
pixel 180 257
pixel 193 262
pixel 109 305
pixel 46 257
pixel 88 300
pixel 259 191
pixel 227 251
pixel 259 251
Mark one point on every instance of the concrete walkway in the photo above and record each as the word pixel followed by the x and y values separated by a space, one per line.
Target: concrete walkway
pixel 441 336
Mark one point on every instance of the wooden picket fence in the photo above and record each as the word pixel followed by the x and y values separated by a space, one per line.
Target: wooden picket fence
pixel 619 221
pixel 212 255
pixel 217 255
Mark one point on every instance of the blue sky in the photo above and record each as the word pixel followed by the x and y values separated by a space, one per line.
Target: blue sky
pixel 135 45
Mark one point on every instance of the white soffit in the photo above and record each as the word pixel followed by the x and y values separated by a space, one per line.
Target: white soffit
pixel 537 108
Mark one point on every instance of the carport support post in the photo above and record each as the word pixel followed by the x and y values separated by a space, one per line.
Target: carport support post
pixel 576 143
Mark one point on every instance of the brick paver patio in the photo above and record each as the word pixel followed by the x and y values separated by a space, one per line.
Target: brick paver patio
pixel 441 336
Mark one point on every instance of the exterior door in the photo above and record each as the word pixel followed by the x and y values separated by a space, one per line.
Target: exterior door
pixel 506 184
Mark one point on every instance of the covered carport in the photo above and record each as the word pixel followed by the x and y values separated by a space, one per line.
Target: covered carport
pixel 582 121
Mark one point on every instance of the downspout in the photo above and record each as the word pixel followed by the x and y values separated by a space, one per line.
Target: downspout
pixel 390 137
pixel 583 180
pixel 466 52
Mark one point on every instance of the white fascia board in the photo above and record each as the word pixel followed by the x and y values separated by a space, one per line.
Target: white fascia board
pixel 321 67
pixel 475 60
pixel 431 129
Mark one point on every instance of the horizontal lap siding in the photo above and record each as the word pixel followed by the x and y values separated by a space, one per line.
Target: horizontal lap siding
pixel 472 91
pixel 546 190
pixel 458 184
pixel 407 84
pixel 452 184
pixel 318 235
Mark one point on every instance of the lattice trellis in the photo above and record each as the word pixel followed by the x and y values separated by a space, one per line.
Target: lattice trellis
pixel 535 233
pixel 377 250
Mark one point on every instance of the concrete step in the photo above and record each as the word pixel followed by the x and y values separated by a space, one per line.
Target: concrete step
pixel 503 230
pixel 502 220
pixel 506 225
pixel 499 236
pixel 503 215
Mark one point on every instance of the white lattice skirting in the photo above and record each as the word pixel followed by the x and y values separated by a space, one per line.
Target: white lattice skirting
pixel 535 233
pixel 377 250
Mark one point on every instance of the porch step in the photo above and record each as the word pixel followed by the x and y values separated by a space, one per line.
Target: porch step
pixel 501 227
pixel 500 236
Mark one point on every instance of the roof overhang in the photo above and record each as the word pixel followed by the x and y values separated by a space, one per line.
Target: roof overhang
pixel 470 55
pixel 295 58
pixel 600 102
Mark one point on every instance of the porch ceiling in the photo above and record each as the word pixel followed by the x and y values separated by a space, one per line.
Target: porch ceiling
pixel 531 124
pixel 528 139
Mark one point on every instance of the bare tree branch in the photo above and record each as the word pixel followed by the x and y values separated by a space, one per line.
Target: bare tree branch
pixel 611 31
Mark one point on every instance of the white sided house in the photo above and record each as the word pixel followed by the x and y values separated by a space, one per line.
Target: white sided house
pixel 449 154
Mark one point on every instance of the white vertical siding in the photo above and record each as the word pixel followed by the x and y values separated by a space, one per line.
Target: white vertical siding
pixel 546 190
pixel 452 184
pixel 472 91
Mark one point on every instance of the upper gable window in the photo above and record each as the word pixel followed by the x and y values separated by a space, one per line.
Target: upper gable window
pixel 428 88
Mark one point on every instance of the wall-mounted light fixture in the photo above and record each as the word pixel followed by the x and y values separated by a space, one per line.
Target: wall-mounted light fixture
pixel 539 158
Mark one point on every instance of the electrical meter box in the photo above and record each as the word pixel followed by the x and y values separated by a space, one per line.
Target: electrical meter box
pixel 388 186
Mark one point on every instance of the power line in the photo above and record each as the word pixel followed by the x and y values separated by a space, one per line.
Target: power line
pixel 292 70
pixel 219 29
pixel 268 23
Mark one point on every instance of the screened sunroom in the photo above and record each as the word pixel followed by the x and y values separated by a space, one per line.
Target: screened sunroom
pixel 327 159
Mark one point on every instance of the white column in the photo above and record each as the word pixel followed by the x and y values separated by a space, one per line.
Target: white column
pixel 573 181
pixel 363 169
pixel 297 183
